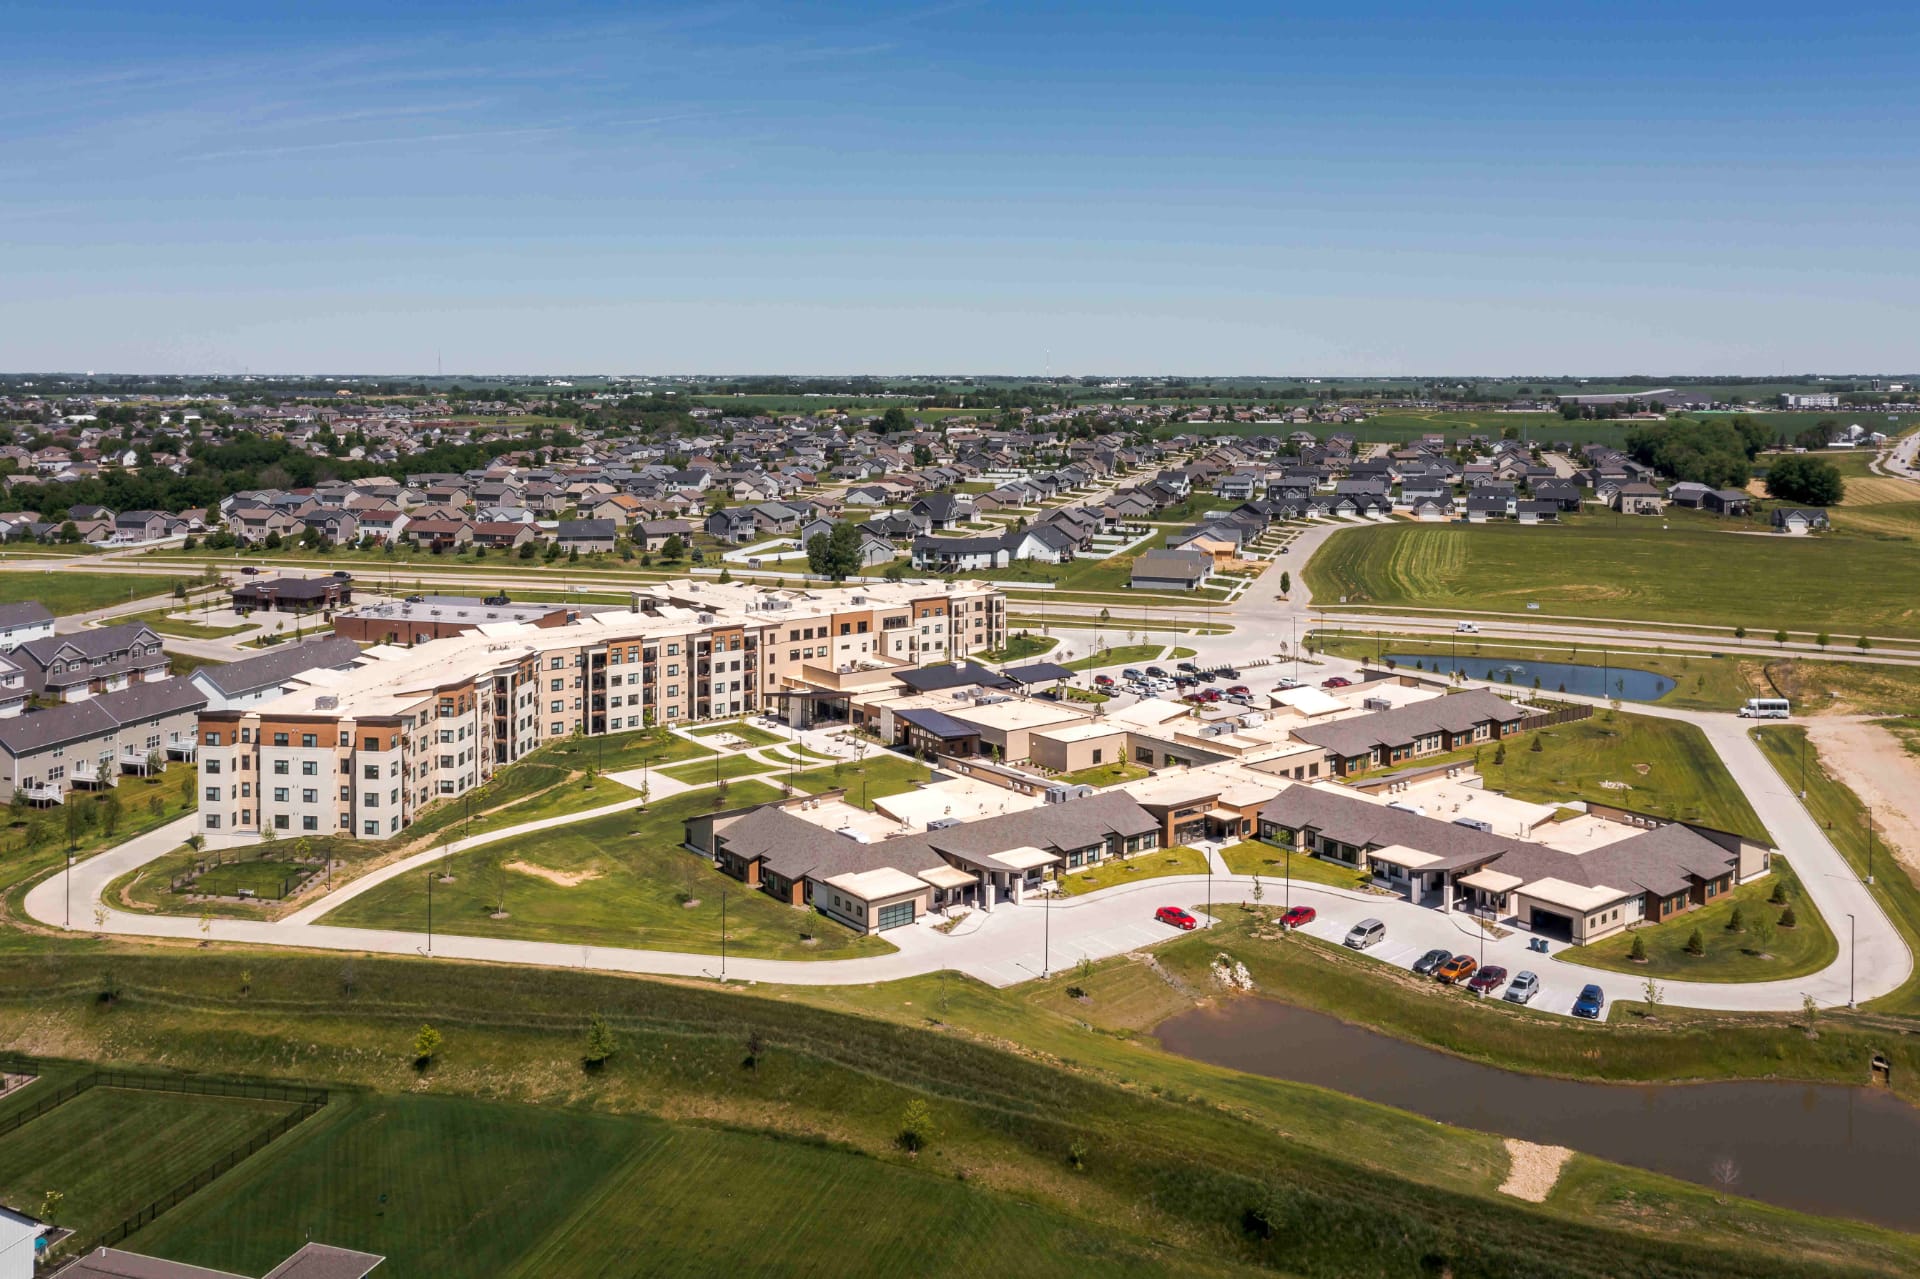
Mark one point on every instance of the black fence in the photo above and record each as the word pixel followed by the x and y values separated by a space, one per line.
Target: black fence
pixel 306 1103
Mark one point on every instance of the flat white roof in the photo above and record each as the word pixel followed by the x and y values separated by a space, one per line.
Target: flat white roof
pixel 883 881
pixel 1401 855
pixel 1558 892
pixel 1494 881
pixel 1079 732
pixel 949 877
pixel 963 798
pixel 1308 701
pixel 1025 858
pixel 1015 715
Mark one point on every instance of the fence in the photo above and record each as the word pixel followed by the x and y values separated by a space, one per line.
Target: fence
pixel 306 1103
pixel 1564 715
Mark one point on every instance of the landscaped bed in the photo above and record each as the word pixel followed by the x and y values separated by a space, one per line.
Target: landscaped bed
pixel 1180 860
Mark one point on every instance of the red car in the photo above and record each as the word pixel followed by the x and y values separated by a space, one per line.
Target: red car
pixel 1105 681
pixel 1209 694
pixel 1298 916
pixel 1177 917
pixel 1239 690
pixel 1488 980
pixel 1338 681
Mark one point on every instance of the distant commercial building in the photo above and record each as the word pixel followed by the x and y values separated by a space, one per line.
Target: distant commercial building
pixel 420 618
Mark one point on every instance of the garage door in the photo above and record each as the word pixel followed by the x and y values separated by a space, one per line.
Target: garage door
pixel 896 915
pixel 1551 923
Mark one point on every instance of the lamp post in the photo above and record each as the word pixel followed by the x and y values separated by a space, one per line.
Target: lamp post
pixel 1046 937
pixel 1806 742
pixel 1869 847
pixel 1288 890
pixel 1850 960
pixel 69 890
pixel 429 913
pixel 723 936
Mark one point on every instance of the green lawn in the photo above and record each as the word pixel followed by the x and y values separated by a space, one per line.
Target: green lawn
pixel 65 591
pixel 749 733
pixel 705 772
pixel 1118 655
pixel 882 772
pixel 1843 817
pixel 160 619
pixel 265 876
pixel 1019 647
pixel 1270 861
pixel 112 1151
pixel 1633 568
pixel 1106 774
pixel 1807 947
pixel 616 752
pixel 630 885
pixel 1672 769
pixel 1160 862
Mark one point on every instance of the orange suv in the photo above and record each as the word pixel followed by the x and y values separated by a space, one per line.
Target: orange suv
pixel 1457 969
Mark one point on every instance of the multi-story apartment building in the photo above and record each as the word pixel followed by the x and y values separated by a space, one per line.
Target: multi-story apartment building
pixel 361 751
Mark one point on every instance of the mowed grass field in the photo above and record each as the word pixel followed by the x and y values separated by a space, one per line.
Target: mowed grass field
pixel 64 592
pixel 447 1188
pixel 1668 768
pixel 1680 570
pixel 112 1151
pixel 618 880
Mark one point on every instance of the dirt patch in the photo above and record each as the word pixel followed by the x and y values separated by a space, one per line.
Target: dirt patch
pixel 1873 764
pixel 1532 1170
pixel 564 878
pixel 1643 769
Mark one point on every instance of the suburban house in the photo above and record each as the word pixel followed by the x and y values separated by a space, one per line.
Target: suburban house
pixel 587 536
pixel 1797 520
pixel 312 1261
pixel 27 620
pixel 71 668
pixel 1637 497
pixel 960 554
pixel 1170 570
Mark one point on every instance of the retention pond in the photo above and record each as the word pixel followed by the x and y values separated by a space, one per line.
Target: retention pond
pixel 1821 1148
pixel 1624 682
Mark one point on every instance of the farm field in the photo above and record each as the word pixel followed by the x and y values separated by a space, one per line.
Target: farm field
pixel 1690 572
pixel 112 1151
pixel 618 880
pixel 1726 955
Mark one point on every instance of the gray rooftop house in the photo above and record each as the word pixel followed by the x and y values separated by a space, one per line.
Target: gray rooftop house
pixel 69 668
pixel 27 620
pixel 1451 722
pixel 1170 571
pixel 45 753
pixel 257 679
pixel 312 1261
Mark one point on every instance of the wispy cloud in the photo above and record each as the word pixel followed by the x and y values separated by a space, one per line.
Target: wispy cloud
pixel 349 144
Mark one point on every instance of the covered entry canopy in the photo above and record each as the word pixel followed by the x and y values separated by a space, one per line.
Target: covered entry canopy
pixel 949 877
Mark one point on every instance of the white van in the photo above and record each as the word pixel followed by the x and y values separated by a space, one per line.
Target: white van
pixel 1766 708
pixel 1467 628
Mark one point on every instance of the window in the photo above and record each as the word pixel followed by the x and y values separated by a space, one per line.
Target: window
pixel 279 739
pixel 280 768
pixel 213 794
pixel 370 828
pixel 309 768
pixel 279 794
pixel 309 740
pixel 309 796
pixel 213 821
pixel 212 767
pixel 309 823
pixel 371 772
pixel 282 822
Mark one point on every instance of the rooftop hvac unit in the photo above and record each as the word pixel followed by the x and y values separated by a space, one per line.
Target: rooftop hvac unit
pixel 988 699
pixel 942 823
pixel 327 703
pixel 1061 794
pixel 1251 718
pixel 1475 823
pixel 1376 704
pixel 1415 809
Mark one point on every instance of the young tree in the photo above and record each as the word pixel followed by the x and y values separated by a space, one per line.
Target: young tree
pixel 916 1126
pixel 1737 921
pixel 1696 944
pixel 1788 919
pixel 1286 582
pixel 1653 996
pixel 673 548
pixel 1638 951
pixel 426 1046
pixel 599 1043
pixel 110 813
pixel 1810 1013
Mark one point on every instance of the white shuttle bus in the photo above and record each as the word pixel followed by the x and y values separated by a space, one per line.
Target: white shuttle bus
pixel 1766 708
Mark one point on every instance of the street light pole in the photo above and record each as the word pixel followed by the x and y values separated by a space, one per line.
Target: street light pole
pixel 1850 961
pixel 1046 937
pixel 429 912
pixel 69 889
pixel 723 936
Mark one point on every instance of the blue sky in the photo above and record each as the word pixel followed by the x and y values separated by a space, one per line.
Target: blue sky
pixel 1354 188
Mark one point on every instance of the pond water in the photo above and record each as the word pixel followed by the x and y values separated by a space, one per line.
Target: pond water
pixel 1623 682
pixel 1821 1148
